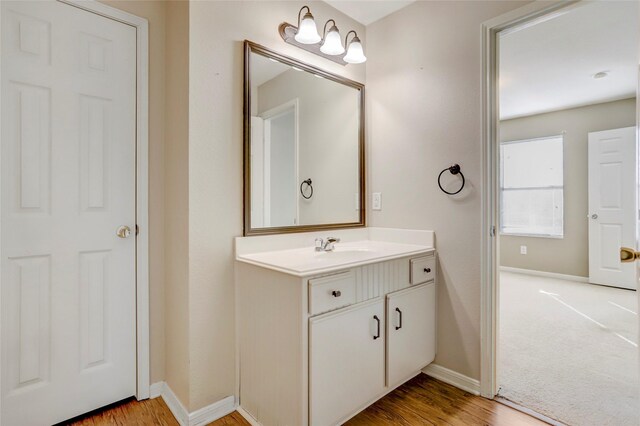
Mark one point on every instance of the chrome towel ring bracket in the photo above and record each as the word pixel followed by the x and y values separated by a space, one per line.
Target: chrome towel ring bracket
pixel 454 170
pixel 302 189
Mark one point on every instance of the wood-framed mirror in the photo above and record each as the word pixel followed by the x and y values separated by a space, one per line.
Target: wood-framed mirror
pixel 304 142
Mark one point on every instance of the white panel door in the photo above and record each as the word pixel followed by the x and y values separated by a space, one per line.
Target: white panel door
pixel 67 184
pixel 346 361
pixel 612 206
pixel 411 332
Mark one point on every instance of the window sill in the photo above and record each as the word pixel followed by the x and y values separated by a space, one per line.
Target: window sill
pixel 553 237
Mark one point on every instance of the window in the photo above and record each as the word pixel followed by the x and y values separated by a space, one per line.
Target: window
pixel 532 187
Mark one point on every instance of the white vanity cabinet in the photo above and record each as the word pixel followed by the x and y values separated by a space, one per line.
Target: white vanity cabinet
pixel 346 361
pixel 316 350
pixel 410 331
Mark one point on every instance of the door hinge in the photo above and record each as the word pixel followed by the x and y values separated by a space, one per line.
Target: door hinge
pixel 492 231
pixel 137 229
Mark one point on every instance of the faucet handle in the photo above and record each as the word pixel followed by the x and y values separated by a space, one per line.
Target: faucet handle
pixel 319 244
pixel 328 243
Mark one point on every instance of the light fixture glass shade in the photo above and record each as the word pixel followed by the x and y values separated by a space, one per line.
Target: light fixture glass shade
pixel 332 43
pixel 307 32
pixel 355 54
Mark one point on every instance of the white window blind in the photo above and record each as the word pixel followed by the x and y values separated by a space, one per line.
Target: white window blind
pixel 532 187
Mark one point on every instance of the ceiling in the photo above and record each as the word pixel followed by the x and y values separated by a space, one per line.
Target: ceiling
pixel 550 66
pixel 367 11
pixel 264 69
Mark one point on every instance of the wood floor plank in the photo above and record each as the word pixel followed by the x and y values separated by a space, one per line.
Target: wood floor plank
pixel 420 401
pixel 232 419
pixel 127 413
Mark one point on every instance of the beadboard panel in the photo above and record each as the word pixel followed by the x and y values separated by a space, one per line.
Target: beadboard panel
pixel 380 278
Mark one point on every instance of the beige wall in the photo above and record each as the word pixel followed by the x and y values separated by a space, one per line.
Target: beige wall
pixel 177 200
pixel 569 255
pixel 424 113
pixel 328 147
pixel 217 30
pixel 154 12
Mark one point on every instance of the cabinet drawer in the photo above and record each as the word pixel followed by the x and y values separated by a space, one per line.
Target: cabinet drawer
pixel 423 269
pixel 332 292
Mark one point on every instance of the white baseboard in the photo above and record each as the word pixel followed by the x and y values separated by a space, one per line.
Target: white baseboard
pixel 248 417
pixel 199 417
pixel 545 274
pixel 177 409
pixel 155 390
pixel 212 412
pixel 453 378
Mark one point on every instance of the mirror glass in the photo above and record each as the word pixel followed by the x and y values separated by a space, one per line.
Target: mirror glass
pixel 303 146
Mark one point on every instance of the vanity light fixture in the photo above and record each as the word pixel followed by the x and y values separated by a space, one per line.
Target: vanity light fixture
pixel 355 53
pixel 331 41
pixel 329 46
pixel 307 32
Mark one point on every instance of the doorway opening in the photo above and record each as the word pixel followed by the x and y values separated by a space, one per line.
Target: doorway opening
pixel 561 309
pixel 275 158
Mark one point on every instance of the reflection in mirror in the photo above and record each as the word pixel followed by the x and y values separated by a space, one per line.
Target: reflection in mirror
pixel 305 145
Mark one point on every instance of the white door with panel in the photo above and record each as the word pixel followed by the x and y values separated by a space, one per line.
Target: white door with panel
pixel 346 362
pixel 411 332
pixel 68 184
pixel 612 206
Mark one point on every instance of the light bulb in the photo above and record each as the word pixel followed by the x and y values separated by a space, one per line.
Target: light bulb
pixel 307 33
pixel 332 43
pixel 355 54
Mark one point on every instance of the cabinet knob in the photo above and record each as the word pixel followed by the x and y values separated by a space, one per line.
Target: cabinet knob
pixel 427 270
pixel 336 293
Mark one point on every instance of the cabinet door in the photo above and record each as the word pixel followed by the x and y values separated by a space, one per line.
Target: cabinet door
pixel 346 361
pixel 411 332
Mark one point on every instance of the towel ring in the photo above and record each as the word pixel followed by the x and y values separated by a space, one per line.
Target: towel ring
pixel 308 183
pixel 454 170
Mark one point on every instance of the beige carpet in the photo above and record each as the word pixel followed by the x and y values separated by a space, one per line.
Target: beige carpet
pixel 569 350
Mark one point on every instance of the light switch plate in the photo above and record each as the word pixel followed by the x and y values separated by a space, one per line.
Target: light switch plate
pixel 377 201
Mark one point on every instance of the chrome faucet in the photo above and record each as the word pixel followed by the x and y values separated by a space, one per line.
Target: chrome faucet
pixel 327 244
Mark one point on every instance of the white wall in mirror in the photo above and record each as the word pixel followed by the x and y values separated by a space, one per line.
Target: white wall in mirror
pixel 303 126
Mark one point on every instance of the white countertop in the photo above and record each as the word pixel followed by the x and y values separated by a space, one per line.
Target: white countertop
pixel 306 261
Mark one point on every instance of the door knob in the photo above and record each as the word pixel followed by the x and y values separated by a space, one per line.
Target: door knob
pixel 628 255
pixel 594 216
pixel 123 232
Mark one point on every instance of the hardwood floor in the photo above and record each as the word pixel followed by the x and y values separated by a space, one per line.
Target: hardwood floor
pixel 426 401
pixel 421 401
pixel 129 412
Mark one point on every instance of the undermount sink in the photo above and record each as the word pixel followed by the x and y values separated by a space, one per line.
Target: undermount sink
pixel 340 249
pixel 306 261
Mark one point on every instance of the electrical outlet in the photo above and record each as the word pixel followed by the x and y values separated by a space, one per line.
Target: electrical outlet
pixel 377 201
pixel 523 249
